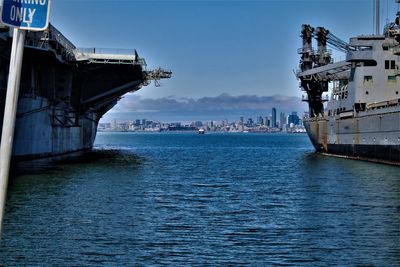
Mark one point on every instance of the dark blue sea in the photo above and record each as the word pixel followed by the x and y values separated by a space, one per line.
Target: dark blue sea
pixel 182 199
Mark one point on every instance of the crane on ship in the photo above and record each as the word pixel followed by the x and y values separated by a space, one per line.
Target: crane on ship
pixel 317 68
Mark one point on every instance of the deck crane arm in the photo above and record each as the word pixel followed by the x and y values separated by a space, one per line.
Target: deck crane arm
pixel 339 44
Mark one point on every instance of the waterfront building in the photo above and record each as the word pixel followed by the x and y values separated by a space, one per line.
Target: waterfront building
pixel 197 124
pixel 250 122
pixel 273 121
pixel 266 121
pixel 293 118
pixel 282 119
pixel 259 120
pixel 241 120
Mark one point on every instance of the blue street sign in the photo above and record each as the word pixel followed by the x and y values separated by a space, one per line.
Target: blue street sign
pixel 26 14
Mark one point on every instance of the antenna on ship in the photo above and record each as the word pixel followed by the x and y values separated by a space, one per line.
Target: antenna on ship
pixel 377 11
pixel 387 13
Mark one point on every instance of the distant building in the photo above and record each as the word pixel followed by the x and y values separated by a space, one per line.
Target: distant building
pixel 122 126
pixel 197 124
pixel 273 122
pixel 241 120
pixel 176 124
pixel 250 122
pixel 260 120
pixel 282 119
pixel 266 121
pixel 104 126
pixel 293 118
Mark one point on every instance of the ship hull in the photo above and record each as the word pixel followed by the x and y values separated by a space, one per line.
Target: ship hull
pixel 44 130
pixel 61 101
pixel 368 136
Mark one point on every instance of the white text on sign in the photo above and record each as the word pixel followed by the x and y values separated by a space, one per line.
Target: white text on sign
pixel 19 14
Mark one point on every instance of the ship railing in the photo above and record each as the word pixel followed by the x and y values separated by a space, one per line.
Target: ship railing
pixel 109 51
pixel 108 56
pixel 53 39
pixel 56 35
pixel 384 104
pixel 324 98
pixel 328 52
pixel 302 50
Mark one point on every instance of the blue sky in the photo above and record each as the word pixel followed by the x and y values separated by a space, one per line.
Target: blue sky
pixel 213 47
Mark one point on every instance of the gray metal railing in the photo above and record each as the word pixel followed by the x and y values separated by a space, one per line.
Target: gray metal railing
pixel 108 51
pixel 56 35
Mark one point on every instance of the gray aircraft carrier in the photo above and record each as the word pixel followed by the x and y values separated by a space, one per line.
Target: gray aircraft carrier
pixel 354 104
pixel 65 91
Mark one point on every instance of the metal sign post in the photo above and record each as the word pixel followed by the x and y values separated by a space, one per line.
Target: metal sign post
pixel 10 112
pixel 22 16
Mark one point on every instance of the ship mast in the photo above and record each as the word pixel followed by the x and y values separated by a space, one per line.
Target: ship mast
pixel 377 9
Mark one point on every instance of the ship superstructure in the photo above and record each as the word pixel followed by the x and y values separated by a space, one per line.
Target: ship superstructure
pixel 65 91
pixel 354 104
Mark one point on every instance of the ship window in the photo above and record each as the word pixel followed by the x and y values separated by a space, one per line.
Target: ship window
pixel 370 63
pixel 393 65
pixel 387 64
pixel 367 78
pixel 392 79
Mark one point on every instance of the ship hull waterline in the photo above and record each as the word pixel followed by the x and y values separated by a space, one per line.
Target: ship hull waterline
pixel 351 144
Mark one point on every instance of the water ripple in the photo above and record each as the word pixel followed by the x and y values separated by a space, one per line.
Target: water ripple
pixel 187 199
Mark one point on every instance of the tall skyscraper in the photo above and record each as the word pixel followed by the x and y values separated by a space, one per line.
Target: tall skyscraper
pixel 282 118
pixel 273 124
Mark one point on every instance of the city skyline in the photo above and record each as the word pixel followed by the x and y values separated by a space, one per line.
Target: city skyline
pixel 224 106
pixel 269 121
pixel 292 124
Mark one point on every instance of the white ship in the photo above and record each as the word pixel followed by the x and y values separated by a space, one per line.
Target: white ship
pixel 361 116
